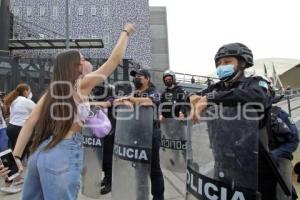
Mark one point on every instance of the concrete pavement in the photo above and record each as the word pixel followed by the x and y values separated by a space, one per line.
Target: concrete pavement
pixel 174 189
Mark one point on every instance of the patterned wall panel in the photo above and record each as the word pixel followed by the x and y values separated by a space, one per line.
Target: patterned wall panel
pixel 87 19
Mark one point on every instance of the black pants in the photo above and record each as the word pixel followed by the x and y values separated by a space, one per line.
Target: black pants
pixel 13 134
pixel 108 145
pixel 266 180
pixel 156 175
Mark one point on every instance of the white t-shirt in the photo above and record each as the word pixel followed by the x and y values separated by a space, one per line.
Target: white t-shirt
pixel 2 121
pixel 20 109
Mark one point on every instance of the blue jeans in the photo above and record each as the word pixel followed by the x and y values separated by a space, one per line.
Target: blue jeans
pixel 3 139
pixel 55 173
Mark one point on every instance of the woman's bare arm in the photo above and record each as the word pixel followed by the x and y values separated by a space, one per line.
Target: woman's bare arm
pixel 27 129
pixel 89 81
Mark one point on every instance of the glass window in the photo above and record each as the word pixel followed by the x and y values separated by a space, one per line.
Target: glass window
pixel 29 11
pixel 42 11
pixel 80 11
pixel 55 12
pixel 16 11
pixel 105 11
pixel 93 11
pixel 106 40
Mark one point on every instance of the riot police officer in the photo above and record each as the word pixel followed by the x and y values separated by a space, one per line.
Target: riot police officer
pixel 283 141
pixel 174 132
pixel 103 94
pixel 235 88
pixel 172 95
pixel 146 94
pixel 284 133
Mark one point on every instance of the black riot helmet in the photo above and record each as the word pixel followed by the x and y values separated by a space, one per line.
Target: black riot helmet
pixel 238 50
pixel 169 73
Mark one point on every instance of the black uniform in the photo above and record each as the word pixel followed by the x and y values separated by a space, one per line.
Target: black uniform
pixel 156 176
pixel 285 134
pixel 248 90
pixel 108 141
pixel 108 144
pixel 171 97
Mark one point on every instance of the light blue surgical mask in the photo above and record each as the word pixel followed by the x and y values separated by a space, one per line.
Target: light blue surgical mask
pixel 225 71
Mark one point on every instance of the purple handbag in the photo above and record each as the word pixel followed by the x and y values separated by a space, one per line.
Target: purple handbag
pixel 99 123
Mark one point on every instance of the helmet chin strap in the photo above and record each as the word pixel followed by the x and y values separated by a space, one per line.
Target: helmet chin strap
pixel 236 76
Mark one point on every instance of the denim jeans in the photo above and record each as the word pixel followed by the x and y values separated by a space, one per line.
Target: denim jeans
pixel 55 173
pixel 3 139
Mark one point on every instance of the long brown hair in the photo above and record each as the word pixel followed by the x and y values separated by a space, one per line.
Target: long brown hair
pixel 57 114
pixel 19 91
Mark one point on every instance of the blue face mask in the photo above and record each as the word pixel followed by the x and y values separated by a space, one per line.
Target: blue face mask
pixel 225 71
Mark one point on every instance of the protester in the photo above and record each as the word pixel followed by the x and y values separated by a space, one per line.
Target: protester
pixel 19 105
pixel 146 94
pixel 55 165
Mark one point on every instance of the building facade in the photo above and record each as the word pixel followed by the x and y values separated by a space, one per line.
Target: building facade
pixel 39 19
pixel 104 19
pixel 45 19
pixel 159 44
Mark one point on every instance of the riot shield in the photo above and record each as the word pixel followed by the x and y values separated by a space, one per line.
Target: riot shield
pixel 173 144
pixel 92 163
pixel 132 153
pixel 223 163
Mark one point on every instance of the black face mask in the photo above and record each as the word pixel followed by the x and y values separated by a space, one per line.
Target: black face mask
pixel 168 83
pixel 137 83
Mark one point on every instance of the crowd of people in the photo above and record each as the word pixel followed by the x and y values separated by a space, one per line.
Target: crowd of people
pixel 32 130
pixel 15 109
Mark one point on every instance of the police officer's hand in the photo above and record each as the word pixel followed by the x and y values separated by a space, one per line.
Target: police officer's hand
pixel 181 116
pixel 194 99
pixel 145 102
pixel 124 101
pixel 201 105
pixel 161 118
pixel 193 115
pixel 197 108
pixel 121 100
pixel 101 104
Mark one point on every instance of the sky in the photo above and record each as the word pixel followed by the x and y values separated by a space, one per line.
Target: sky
pixel 197 28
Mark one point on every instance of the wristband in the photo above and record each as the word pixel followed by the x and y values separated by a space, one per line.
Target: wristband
pixel 18 157
pixel 126 32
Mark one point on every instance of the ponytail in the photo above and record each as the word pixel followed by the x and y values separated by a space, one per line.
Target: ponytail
pixel 19 91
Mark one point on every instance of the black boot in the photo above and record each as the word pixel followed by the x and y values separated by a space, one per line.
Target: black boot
pixel 106 180
pixel 106 189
